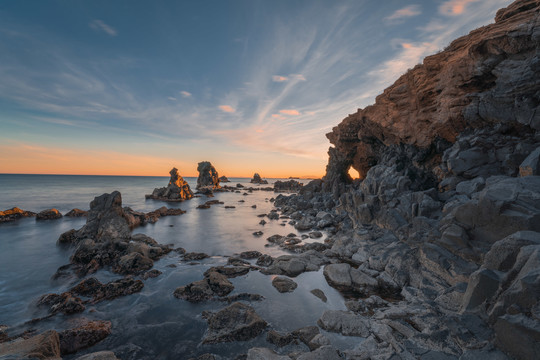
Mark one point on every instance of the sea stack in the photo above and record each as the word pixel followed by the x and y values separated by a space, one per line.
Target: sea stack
pixel 177 189
pixel 208 176
pixel 257 179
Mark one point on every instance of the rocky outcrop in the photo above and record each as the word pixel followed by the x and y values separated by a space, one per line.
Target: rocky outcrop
pixel 487 77
pixel 86 334
pixel 236 322
pixel 257 179
pixel 177 189
pixel 290 185
pixel 49 214
pixel 76 213
pixel 14 214
pixel 208 176
pixel 106 240
pixel 223 179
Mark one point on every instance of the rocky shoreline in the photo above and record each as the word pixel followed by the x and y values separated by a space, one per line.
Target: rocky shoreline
pixel 435 248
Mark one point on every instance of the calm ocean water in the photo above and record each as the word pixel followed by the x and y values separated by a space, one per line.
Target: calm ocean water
pixel 152 323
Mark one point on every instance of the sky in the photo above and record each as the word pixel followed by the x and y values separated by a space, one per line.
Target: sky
pixel 137 87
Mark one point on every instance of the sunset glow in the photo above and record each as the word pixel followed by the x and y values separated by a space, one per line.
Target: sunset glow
pixel 252 86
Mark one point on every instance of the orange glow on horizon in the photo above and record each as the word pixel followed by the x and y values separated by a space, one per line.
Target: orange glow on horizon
pixel 32 159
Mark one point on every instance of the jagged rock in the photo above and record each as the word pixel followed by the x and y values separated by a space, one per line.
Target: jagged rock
pixel 278 339
pixel 64 303
pixel 283 284
pixel 49 214
pixel 257 179
pixel 290 185
pixel 100 355
pixel 44 346
pixel 236 322
pixel 214 284
pixel 502 255
pixel 466 85
pixel 92 287
pixel 483 284
pixel 264 354
pixel 76 213
pixel 223 179
pixel 531 165
pixel 87 334
pixel 14 214
pixel 208 176
pixel 177 189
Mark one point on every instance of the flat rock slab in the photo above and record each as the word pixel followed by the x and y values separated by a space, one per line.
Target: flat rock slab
pixel 236 322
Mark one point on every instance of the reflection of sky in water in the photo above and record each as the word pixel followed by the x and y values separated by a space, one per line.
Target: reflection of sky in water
pixel 161 325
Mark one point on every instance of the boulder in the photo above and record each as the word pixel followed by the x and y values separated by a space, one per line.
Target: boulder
pixel 87 334
pixel 214 284
pixel 338 275
pixel 345 323
pixel 44 346
pixel 223 179
pixel 483 284
pixel 76 213
pixel 177 189
pixel 283 284
pixel 14 214
pixel 236 322
pixel 502 255
pixel 49 214
pixel 257 179
pixel 208 176
pixel 278 339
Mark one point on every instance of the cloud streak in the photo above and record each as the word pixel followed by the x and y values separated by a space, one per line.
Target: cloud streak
pixel 403 13
pixel 227 108
pixel 454 7
pixel 100 26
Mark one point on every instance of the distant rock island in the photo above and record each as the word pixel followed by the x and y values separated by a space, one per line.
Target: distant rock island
pixel 177 189
pixel 257 179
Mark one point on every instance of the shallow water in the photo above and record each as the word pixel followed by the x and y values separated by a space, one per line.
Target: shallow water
pixel 151 323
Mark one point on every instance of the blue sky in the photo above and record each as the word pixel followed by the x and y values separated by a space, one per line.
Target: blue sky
pixel 136 87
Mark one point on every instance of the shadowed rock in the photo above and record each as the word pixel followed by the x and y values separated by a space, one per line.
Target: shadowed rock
pixel 257 179
pixel 177 189
pixel 14 214
pixel 208 176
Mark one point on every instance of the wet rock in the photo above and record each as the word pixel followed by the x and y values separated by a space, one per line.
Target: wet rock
pixel 76 213
pixel 283 284
pixel 100 355
pixel 320 294
pixel 250 254
pixel 208 176
pixel 177 189
pixel 43 346
pixel 64 303
pixel 229 271
pixel 257 179
pixel 273 215
pixel 195 256
pixel 279 339
pixel 49 214
pixel 14 214
pixel 262 222
pixel 265 260
pixel 213 285
pixel 306 334
pixel 151 274
pixel 92 287
pixel 258 233
pixel 86 335
pixel 236 322
pixel 242 297
pixel 207 204
pixel 338 275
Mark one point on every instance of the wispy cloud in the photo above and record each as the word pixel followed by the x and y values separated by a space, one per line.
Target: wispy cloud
pixel 279 78
pixel 172 98
pixel 185 94
pixel 227 108
pixel 454 7
pixel 406 12
pixel 290 112
pixel 298 77
pixel 278 117
pixel 100 26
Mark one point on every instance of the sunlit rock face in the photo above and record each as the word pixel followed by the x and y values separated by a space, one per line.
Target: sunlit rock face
pixel 208 176
pixel 491 76
pixel 177 189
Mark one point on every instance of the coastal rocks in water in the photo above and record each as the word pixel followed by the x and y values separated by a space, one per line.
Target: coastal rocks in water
pixel 65 303
pixel 290 185
pixel 278 339
pixel 257 179
pixel 42 346
pixel 283 284
pixel 76 213
pixel 49 214
pixel 14 214
pixel 83 336
pixel 93 288
pixel 209 203
pixel 195 256
pixel 236 322
pixel 208 177
pixel 223 179
pixel 177 189
pixel 215 284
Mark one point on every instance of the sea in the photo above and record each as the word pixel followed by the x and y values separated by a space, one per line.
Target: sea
pixel 151 324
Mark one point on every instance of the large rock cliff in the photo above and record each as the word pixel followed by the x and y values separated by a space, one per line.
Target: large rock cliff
pixel 490 76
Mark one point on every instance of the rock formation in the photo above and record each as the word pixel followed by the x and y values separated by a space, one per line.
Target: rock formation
pixel 223 179
pixel 257 179
pixel 290 185
pixel 466 86
pixel 177 189
pixel 208 176
pixel 14 214
pixel 49 214
pixel 439 240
